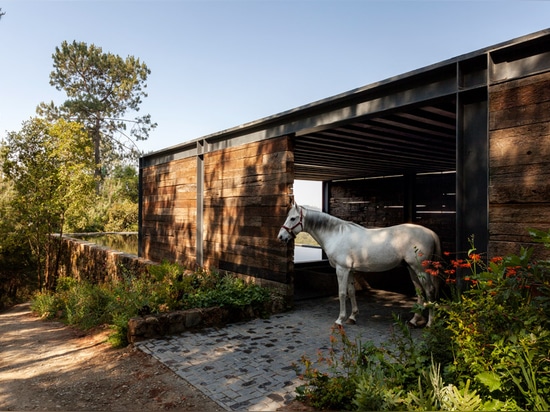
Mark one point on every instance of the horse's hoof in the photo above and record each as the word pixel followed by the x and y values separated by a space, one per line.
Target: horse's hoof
pixel 350 322
pixel 412 325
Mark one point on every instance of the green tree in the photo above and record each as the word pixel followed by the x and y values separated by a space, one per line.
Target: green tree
pixel 101 88
pixel 116 208
pixel 50 168
pixel 16 264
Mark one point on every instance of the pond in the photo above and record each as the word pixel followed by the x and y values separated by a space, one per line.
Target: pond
pixel 126 242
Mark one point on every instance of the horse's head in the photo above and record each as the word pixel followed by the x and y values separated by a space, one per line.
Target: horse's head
pixel 293 224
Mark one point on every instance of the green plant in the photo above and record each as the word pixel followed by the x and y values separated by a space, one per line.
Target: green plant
pixel 46 305
pixel 168 287
pixel 331 381
pixel 488 330
pixel 85 305
pixel 362 375
pixel 489 347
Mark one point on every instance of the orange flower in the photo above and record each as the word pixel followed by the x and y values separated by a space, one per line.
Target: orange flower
pixel 497 259
pixel 475 257
pixel 447 253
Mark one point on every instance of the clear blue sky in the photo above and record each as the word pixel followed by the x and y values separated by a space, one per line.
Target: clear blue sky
pixel 218 64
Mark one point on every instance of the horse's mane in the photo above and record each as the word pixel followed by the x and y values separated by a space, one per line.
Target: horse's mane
pixel 320 220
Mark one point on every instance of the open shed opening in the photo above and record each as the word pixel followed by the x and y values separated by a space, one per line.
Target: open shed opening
pixel 382 170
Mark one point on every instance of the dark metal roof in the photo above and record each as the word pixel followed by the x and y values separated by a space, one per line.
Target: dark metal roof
pixel 418 140
pixel 407 123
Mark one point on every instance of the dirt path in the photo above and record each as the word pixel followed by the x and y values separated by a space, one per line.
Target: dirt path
pixel 48 366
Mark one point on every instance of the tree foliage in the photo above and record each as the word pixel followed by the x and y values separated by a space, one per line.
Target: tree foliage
pixel 101 88
pixel 115 208
pixel 50 170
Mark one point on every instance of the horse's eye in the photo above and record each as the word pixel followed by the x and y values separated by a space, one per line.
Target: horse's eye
pixel 292 219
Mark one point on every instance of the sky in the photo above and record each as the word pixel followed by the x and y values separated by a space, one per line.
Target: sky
pixel 219 64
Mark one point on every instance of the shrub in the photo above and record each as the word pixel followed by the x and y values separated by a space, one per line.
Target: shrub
pixel 488 348
pixel 497 332
pixel 169 287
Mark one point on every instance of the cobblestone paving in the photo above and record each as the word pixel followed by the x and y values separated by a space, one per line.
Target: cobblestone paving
pixel 248 366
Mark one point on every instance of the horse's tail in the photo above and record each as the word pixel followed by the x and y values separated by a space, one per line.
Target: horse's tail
pixel 437 256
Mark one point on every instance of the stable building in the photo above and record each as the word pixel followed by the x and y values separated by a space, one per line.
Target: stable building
pixel 461 147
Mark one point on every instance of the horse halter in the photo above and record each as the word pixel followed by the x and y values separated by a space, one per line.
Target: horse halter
pixel 290 230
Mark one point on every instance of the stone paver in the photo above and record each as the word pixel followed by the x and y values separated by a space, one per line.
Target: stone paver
pixel 248 366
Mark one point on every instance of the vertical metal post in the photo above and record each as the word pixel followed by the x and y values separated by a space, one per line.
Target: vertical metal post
pixel 409 201
pixel 472 174
pixel 140 208
pixel 200 203
pixel 325 207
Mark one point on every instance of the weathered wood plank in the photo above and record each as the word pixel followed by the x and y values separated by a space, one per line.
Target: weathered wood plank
pixel 519 116
pixel 526 215
pixel 525 145
pixel 532 188
pixel 521 92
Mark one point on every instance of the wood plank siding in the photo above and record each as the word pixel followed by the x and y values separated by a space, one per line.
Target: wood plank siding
pixel 246 197
pixel 246 194
pixel 519 157
pixel 169 211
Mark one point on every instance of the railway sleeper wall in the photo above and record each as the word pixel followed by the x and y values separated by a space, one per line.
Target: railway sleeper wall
pixel 247 191
pixel 245 198
pixel 169 211
pixel 519 158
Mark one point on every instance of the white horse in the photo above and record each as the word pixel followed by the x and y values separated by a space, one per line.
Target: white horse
pixel 351 247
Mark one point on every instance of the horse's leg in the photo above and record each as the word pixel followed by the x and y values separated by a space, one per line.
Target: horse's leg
pixel 343 275
pixel 431 291
pixel 419 296
pixel 426 289
pixel 351 293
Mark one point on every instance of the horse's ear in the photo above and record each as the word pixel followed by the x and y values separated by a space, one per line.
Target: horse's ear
pixel 292 202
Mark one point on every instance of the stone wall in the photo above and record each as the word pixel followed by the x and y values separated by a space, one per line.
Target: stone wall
pixel 159 325
pixel 85 260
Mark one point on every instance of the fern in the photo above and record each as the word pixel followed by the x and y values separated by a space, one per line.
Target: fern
pixel 454 399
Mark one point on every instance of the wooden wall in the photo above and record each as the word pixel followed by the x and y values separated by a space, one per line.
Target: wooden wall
pixel 368 202
pixel 380 203
pixel 169 211
pixel 247 192
pixel 246 199
pixel 519 157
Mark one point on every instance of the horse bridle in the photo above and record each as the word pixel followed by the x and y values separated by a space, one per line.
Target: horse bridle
pixel 290 230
